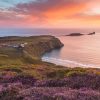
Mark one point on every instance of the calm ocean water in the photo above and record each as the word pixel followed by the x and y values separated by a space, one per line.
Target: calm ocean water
pixel 30 32
pixel 79 51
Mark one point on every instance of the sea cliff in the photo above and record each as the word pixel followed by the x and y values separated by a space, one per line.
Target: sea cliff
pixel 43 45
pixel 36 46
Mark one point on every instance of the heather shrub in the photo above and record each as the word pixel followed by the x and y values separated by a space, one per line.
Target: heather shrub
pixel 47 97
pixel 24 79
pixel 76 81
pixel 9 94
pixel 56 74
pixel 59 93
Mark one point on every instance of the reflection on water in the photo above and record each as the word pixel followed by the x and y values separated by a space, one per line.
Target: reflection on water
pixel 77 51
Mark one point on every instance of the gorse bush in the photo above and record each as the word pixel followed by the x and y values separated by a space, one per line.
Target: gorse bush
pixel 64 73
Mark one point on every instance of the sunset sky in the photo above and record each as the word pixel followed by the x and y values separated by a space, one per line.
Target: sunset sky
pixel 50 13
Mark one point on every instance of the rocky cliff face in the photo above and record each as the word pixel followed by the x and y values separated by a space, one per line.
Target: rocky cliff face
pixel 44 45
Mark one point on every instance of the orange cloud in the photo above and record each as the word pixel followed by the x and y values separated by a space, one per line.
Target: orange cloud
pixel 52 13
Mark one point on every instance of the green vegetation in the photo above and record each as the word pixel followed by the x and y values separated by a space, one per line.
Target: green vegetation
pixel 26 61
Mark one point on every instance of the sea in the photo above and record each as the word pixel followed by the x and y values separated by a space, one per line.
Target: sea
pixel 78 51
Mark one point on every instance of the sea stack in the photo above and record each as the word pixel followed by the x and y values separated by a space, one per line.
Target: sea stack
pixel 91 33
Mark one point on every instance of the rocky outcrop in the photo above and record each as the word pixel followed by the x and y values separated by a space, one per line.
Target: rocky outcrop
pixel 75 34
pixel 91 33
pixel 44 45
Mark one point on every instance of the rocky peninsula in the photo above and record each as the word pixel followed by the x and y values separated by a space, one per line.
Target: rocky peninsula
pixel 34 45
pixel 23 76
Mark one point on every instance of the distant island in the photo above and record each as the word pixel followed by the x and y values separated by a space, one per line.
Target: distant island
pixel 80 34
pixel 75 34
pixel 92 33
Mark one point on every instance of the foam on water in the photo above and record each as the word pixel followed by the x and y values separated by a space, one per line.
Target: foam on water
pixel 68 63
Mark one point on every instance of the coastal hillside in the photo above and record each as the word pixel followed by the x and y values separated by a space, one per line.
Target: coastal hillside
pixel 49 50
pixel 20 50
pixel 23 76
